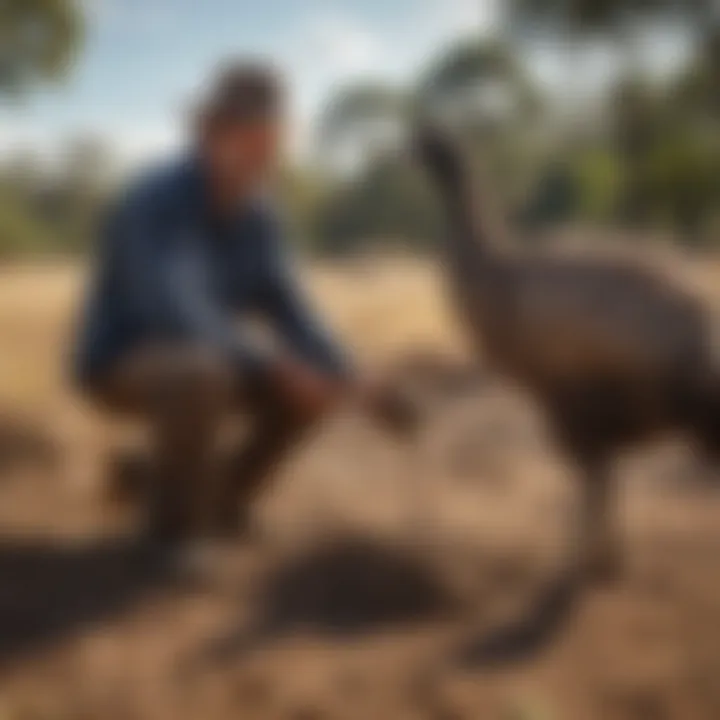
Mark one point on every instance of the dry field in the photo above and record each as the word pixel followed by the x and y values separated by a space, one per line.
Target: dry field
pixel 374 560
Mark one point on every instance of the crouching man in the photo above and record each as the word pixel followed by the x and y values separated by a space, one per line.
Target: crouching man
pixel 188 254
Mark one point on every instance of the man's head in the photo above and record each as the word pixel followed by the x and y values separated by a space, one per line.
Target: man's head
pixel 239 128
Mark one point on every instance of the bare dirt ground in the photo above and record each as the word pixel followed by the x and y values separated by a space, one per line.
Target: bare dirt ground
pixel 375 561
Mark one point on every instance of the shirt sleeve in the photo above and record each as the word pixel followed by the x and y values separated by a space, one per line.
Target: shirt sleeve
pixel 165 287
pixel 291 313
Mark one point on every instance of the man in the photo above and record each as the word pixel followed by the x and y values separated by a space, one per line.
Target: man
pixel 188 250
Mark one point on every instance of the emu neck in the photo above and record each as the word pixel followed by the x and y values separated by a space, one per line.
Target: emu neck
pixel 469 245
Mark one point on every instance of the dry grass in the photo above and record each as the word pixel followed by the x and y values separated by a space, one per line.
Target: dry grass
pixel 375 559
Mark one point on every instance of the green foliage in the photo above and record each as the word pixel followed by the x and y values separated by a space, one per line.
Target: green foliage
pixel 38 41
pixel 683 179
pixel 463 65
pixel 698 90
pixel 599 177
pixel 303 194
pixel 596 16
pixel 53 212
pixel 20 233
pixel 388 206
pixel 467 68
pixel 386 201
pixel 356 111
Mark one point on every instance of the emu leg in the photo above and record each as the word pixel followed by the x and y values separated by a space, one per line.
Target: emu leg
pixel 600 547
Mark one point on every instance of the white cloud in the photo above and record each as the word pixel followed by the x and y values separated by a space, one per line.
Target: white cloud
pixel 326 50
pixel 450 18
pixel 344 44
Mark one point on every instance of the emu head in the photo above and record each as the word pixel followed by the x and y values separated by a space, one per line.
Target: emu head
pixel 435 147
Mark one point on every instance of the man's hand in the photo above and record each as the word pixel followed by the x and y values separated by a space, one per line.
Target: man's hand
pixel 307 393
pixel 391 406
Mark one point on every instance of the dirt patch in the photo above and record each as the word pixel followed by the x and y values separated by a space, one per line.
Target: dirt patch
pixel 377 562
pixel 24 443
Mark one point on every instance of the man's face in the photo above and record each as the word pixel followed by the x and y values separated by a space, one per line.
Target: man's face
pixel 242 156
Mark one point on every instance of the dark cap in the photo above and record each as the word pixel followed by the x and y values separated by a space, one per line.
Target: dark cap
pixel 243 91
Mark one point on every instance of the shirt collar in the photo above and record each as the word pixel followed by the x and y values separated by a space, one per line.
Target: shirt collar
pixel 197 188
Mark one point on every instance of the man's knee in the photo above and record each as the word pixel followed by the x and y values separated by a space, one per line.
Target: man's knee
pixel 200 371
pixel 156 379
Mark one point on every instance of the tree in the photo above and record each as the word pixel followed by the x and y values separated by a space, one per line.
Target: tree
pixel 698 90
pixel 54 209
pixel 588 17
pixel 78 196
pixel 477 85
pixel 640 120
pixel 638 130
pixel 20 231
pixel 480 80
pixel 365 114
pixel 389 204
pixel 382 197
pixel 38 41
pixel 481 87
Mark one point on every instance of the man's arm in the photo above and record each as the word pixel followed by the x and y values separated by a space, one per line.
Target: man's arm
pixel 318 370
pixel 164 285
pixel 297 323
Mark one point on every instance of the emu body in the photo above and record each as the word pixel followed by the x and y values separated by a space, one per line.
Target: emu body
pixel 613 352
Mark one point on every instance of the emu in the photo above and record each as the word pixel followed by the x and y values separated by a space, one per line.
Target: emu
pixel 613 353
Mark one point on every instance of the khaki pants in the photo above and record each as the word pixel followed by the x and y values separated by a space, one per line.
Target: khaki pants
pixel 185 394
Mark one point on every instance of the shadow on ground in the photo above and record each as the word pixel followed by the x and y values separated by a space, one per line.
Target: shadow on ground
pixel 354 587
pixel 49 591
pixel 349 587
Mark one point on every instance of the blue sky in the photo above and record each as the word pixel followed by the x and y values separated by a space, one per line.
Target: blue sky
pixel 144 59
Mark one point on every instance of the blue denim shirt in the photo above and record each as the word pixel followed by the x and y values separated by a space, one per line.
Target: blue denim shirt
pixel 166 272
